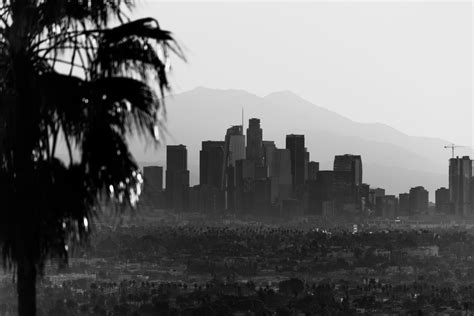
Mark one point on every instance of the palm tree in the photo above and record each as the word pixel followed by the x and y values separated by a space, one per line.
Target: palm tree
pixel 68 77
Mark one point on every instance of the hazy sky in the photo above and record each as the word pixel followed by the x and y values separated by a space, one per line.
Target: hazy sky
pixel 405 64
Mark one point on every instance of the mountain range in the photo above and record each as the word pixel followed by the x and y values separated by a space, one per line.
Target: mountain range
pixel 391 159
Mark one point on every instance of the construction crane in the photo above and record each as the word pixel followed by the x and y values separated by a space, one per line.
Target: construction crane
pixel 452 146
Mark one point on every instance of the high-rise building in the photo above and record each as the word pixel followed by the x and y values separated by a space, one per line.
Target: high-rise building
pixel 442 201
pixel 209 193
pixel 234 149
pixel 177 177
pixel 255 142
pixel 295 143
pixel 268 149
pixel 404 204
pixel 348 181
pixel 418 200
pixel 280 171
pixel 460 174
pixel 211 158
pixel 153 187
pixel 352 164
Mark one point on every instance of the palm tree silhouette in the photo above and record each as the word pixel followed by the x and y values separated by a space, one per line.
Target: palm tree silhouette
pixel 68 77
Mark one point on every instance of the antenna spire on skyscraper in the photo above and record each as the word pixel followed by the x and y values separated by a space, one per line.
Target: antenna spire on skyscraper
pixel 242 120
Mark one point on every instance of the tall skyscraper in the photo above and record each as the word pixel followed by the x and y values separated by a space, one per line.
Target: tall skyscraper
pixel 211 158
pixel 234 149
pixel 418 200
pixel 460 175
pixel 348 180
pixel 352 164
pixel 295 143
pixel 177 177
pixel 268 149
pixel 255 142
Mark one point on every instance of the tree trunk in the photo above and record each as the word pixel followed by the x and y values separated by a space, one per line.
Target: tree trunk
pixel 26 287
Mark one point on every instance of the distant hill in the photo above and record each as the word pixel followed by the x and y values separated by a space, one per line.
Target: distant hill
pixel 391 159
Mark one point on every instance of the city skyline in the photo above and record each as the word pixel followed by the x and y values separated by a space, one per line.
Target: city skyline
pixel 384 148
pixel 257 159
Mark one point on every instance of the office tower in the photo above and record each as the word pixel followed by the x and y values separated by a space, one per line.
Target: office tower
pixel 176 158
pixel 313 169
pixel 234 149
pixel 386 206
pixel 295 143
pixel 418 200
pixel 234 145
pixel 352 164
pixel 460 174
pixel 211 158
pixel 281 177
pixel 177 177
pixel 442 201
pixel 254 142
pixel 404 204
pixel 348 179
pixel 268 149
pixel 209 194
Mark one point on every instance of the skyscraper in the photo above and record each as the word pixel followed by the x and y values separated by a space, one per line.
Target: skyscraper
pixel 254 142
pixel 177 177
pixel 234 149
pixel 211 158
pixel 352 164
pixel 418 200
pixel 348 180
pixel 460 174
pixel 295 143
pixel 268 149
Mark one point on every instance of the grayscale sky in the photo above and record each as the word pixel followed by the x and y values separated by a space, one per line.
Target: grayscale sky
pixel 405 64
